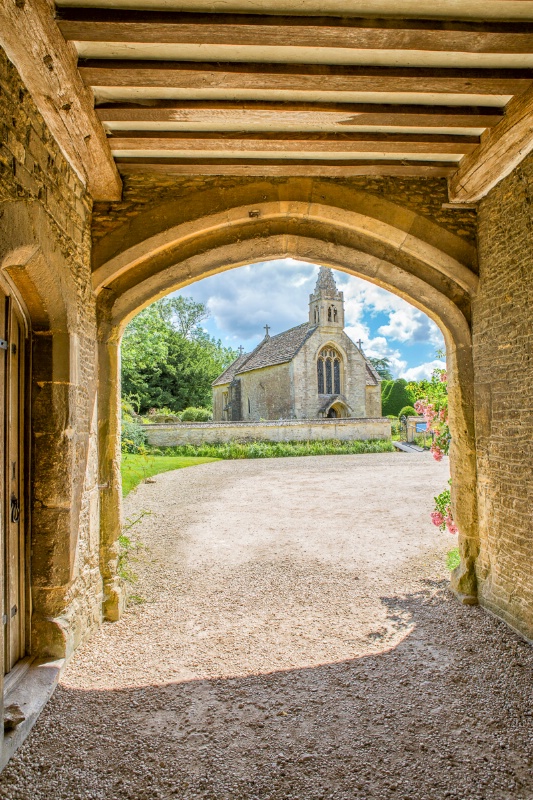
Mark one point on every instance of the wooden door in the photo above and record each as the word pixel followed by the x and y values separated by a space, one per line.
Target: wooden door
pixel 12 334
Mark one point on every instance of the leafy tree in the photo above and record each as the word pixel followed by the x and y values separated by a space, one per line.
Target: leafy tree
pixel 167 357
pixel 382 367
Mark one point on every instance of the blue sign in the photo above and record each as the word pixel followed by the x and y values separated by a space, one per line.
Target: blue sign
pixel 421 427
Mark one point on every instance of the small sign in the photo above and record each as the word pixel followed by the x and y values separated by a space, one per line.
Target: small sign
pixel 421 427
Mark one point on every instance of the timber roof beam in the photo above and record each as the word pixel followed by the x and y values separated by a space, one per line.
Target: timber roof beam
pixel 47 65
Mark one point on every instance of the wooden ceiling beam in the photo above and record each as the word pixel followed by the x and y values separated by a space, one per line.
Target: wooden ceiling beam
pixel 500 151
pixel 144 27
pixel 230 76
pixel 47 65
pixel 238 114
pixel 284 168
pixel 293 142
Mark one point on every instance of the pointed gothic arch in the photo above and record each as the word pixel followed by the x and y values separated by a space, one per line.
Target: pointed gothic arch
pixel 372 239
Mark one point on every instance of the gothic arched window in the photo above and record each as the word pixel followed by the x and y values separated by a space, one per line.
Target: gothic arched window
pixel 329 371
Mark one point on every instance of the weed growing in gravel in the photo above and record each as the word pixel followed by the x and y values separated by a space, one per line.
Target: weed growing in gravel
pixel 125 556
pixel 453 559
pixel 233 450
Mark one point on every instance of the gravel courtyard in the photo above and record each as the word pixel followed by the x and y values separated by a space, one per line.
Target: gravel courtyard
pixel 292 637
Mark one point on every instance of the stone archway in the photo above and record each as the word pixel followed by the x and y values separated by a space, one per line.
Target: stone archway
pixel 61 382
pixel 365 236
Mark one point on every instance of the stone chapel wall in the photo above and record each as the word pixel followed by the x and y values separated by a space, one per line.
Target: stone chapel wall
pixel 45 243
pixel 503 365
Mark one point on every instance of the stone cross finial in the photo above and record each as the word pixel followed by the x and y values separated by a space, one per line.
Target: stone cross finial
pixel 360 344
pixel 267 328
pixel 241 349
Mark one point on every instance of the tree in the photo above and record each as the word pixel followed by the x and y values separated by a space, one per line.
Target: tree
pixel 397 397
pixel 168 360
pixel 382 367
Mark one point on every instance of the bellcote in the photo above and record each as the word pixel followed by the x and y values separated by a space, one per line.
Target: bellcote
pixel 326 304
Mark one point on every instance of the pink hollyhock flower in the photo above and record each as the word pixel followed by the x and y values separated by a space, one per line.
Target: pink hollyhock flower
pixel 442 415
pixel 419 407
pixel 450 524
pixel 443 377
pixel 437 518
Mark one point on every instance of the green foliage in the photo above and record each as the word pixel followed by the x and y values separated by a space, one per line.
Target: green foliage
pixel 260 449
pixel 407 411
pixel 382 367
pixel 385 389
pixel 453 558
pixel 136 468
pixel 133 437
pixel 397 396
pixel 168 360
pixel 195 415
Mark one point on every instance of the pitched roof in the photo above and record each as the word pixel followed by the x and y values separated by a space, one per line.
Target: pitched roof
pixel 230 372
pixel 372 377
pixel 278 349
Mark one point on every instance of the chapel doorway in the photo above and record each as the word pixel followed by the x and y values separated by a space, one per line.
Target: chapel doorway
pixel 12 528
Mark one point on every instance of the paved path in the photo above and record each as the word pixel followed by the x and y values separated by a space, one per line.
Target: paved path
pixel 296 641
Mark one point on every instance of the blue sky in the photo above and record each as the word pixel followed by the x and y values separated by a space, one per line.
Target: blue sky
pixel 241 301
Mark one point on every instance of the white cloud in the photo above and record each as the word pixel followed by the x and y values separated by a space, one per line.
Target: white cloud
pixel 241 301
pixel 423 372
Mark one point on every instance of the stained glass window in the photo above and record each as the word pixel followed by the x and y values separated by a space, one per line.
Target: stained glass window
pixel 320 372
pixel 337 376
pixel 329 377
pixel 329 371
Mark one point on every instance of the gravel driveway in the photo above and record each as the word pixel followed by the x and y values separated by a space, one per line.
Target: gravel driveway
pixel 293 638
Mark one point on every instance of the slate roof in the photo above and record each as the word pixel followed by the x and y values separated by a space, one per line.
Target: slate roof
pixel 372 377
pixel 278 349
pixel 230 372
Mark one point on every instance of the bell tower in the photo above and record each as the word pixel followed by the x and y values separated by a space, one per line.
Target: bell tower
pixel 326 304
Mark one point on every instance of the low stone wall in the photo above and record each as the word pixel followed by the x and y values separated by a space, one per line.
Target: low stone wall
pixel 293 430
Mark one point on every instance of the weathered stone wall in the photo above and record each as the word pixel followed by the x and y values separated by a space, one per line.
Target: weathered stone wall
pixel 353 380
pixel 280 431
pixel 266 393
pixel 503 364
pixel 45 243
pixel 373 401
pixel 425 196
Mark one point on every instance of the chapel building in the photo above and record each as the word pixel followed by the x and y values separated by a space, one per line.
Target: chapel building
pixel 311 371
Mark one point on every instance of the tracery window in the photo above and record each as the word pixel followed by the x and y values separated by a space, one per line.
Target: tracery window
pixel 329 371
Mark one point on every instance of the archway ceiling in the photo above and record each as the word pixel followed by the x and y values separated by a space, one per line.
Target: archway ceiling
pixel 393 87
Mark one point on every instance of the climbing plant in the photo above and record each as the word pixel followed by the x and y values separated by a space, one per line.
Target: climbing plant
pixel 432 403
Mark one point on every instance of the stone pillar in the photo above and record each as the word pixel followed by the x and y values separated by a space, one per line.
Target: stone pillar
pixel 463 466
pixel 109 463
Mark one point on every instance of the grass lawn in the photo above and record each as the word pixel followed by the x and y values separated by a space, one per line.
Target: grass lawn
pixel 136 468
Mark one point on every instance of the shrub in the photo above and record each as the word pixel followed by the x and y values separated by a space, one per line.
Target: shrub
pixel 133 437
pixel 262 449
pixel 397 397
pixel 195 415
pixel 407 411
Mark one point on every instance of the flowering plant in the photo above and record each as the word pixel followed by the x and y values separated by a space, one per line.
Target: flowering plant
pixel 432 403
pixel 441 517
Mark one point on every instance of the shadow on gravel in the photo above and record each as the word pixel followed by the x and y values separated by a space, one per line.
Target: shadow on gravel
pixel 444 714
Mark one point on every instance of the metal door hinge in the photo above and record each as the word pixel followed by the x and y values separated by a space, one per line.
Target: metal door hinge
pixel 4 619
pixel 3 344
pixel 14 610
pixel 15 508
